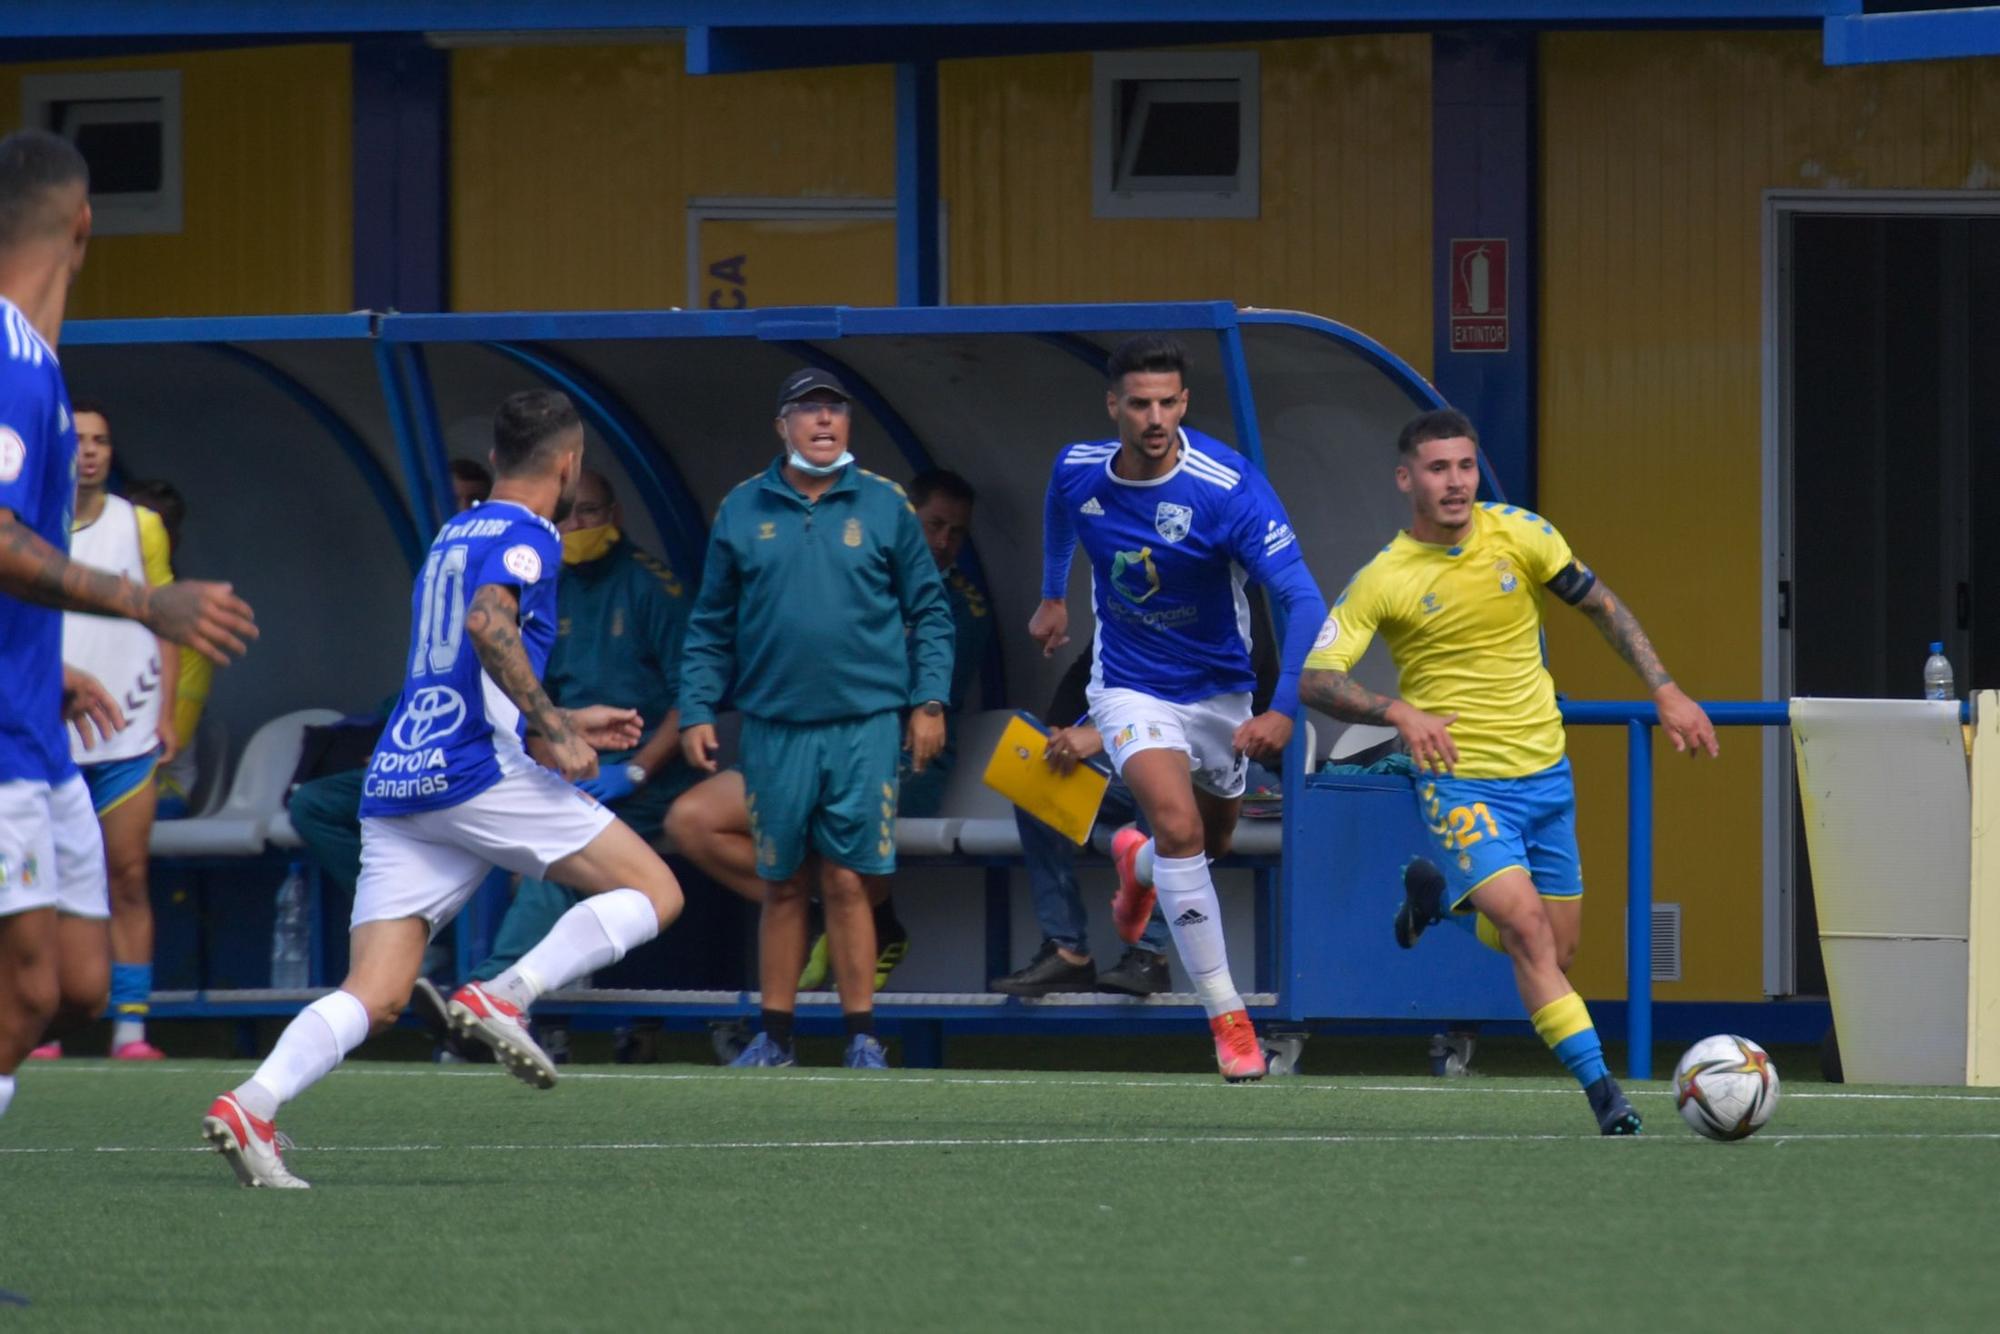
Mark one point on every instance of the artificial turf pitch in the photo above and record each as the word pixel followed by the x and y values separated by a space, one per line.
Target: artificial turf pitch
pixel 689 1198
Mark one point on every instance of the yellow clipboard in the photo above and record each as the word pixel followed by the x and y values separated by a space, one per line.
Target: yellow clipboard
pixel 1065 802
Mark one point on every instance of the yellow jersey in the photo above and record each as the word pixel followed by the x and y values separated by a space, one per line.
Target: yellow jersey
pixel 1464 626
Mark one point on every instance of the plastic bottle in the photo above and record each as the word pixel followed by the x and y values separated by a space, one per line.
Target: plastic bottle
pixel 1937 675
pixel 291 935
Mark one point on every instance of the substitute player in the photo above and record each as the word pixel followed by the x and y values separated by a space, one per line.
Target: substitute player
pixel 142 672
pixel 1458 599
pixel 1174 522
pixel 53 900
pixel 475 769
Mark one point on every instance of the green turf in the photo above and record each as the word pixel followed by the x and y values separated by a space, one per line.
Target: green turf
pixel 690 1198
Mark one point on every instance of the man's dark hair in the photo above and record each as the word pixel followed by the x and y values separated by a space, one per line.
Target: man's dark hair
pixel 160 496
pixel 79 406
pixel 525 424
pixel 472 470
pixel 1437 424
pixel 33 163
pixel 939 482
pixel 1146 354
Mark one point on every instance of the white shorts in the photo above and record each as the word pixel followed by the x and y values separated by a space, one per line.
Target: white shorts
pixel 1205 731
pixel 429 863
pixel 51 850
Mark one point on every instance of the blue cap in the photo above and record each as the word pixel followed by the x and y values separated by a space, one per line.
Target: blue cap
pixel 1938 647
pixel 800 383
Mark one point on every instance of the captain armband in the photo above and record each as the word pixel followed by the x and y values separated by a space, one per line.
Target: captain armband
pixel 1573 582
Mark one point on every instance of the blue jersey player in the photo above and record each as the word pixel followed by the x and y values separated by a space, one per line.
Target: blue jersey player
pixel 54 949
pixel 1174 524
pixel 476 769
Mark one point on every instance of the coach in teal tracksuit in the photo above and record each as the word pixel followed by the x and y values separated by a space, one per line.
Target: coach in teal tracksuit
pixel 815 568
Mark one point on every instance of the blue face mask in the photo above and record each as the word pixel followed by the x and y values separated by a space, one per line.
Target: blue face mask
pixel 798 461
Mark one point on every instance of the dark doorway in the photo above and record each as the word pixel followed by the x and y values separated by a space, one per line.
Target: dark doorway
pixel 1893 405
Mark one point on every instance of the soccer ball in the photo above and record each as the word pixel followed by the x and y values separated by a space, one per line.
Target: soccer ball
pixel 1726 1087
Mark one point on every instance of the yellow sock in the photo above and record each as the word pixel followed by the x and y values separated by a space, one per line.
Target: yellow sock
pixel 1489 934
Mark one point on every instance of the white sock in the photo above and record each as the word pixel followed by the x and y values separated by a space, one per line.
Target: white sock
pixel 1194 916
pixel 595 934
pixel 6 1092
pixel 127 1030
pixel 307 1051
pixel 1142 865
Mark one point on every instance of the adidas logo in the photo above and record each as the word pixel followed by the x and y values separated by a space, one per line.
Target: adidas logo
pixel 1192 917
pixel 1092 507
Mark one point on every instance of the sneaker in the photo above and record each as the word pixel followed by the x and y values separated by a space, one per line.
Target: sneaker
pixel 1139 973
pixel 48 1051
pixel 1132 905
pixel 817 975
pixel 1282 1052
pixel 141 1050
pixel 1451 1053
pixel 1236 1049
pixel 1048 971
pixel 727 1038
pixel 1423 900
pixel 762 1053
pixel 478 1016
pixel 1614 1110
pixel 253 1148
pixel 891 952
pixel 865 1053
pixel 428 1004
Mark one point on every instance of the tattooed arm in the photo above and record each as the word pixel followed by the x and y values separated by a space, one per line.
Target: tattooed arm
pixel 1426 735
pixel 493 624
pixel 1686 723
pixel 205 616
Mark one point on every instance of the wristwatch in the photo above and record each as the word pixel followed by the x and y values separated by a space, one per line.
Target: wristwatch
pixel 933 707
pixel 637 773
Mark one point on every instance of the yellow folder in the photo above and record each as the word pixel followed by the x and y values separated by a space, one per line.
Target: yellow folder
pixel 1065 802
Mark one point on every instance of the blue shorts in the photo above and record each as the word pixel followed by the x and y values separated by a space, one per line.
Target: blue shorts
pixel 115 781
pixel 1483 826
pixel 826 787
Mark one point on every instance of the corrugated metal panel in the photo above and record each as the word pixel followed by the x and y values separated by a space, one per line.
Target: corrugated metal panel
pixel 1657 149
pixel 572 167
pixel 267 200
pixel 1346 192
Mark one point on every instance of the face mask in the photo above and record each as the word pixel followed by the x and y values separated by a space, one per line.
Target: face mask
pixel 798 460
pixel 583 545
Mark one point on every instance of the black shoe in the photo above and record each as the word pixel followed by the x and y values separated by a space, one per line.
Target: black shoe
pixel 1614 1110
pixel 1048 971
pixel 428 1005
pixel 1423 900
pixel 1140 973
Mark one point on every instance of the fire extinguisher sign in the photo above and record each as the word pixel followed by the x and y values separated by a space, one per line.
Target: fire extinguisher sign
pixel 1479 294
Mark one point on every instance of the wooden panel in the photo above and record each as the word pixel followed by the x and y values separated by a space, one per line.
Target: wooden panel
pixel 1657 149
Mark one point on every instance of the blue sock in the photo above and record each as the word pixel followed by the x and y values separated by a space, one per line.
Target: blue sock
pixel 1565 1025
pixel 131 1000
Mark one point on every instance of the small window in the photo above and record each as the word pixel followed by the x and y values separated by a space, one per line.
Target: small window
pixel 1175 135
pixel 128 127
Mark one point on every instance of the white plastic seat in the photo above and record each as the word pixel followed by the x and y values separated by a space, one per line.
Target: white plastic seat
pixel 256 794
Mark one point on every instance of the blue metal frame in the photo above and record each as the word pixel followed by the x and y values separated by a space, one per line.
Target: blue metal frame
pixel 219 329
pixel 667 497
pixel 1946 34
pixel 410 442
pixel 401 94
pixel 343 435
pixel 919 266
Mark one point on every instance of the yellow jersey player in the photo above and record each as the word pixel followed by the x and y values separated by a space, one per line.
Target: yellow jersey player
pixel 1458 599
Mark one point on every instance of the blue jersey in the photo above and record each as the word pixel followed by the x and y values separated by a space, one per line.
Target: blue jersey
pixel 37 483
pixel 1169 560
pixel 454 732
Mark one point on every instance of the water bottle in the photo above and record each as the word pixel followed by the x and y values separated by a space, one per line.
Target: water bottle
pixel 1937 675
pixel 290 934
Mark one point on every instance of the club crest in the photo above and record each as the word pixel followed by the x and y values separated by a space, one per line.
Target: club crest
pixel 1171 521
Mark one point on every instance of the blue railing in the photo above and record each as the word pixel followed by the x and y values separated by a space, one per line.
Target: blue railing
pixel 1639 717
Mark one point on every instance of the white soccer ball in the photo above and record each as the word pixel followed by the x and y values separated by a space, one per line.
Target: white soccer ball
pixel 1726 1087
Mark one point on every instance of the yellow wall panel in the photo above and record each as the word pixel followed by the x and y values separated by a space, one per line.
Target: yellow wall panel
pixel 1657 149
pixel 572 167
pixel 267 189
pixel 1346 192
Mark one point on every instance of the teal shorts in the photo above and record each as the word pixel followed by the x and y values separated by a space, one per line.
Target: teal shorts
pixel 829 788
pixel 1483 826
pixel 116 781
